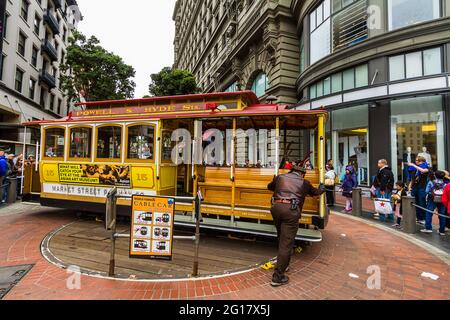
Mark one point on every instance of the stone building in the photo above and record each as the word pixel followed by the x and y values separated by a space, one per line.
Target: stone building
pixel 35 37
pixel 239 45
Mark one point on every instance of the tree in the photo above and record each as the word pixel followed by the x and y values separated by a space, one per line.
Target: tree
pixel 171 82
pixel 93 71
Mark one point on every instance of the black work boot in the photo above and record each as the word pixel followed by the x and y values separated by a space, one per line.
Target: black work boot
pixel 278 280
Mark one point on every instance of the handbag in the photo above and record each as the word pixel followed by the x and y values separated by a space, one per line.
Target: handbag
pixel 329 182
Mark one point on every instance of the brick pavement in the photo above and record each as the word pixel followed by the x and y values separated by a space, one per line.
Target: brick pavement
pixel 321 271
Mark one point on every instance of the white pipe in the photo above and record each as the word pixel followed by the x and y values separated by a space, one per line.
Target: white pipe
pixel 23 159
pixel 37 158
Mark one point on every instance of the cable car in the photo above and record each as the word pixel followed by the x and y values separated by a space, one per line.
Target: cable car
pixel 227 145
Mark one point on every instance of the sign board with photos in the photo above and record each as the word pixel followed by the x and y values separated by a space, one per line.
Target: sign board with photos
pixel 152 220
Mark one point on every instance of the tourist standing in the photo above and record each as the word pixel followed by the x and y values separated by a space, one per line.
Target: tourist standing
pixel 418 186
pixel 435 191
pixel 350 182
pixel 330 181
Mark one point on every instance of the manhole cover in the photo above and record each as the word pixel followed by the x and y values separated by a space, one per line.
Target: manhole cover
pixel 10 276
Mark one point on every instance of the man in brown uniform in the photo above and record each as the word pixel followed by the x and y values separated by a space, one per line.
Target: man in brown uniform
pixel 289 193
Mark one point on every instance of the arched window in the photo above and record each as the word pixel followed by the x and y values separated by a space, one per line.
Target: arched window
pixel 260 85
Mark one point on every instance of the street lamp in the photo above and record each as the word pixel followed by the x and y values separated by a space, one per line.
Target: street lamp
pixel 271 99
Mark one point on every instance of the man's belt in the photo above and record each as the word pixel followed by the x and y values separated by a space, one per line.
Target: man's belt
pixel 283 200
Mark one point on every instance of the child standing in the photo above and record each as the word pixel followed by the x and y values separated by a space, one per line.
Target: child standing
pixel 399 192
pixel 348 184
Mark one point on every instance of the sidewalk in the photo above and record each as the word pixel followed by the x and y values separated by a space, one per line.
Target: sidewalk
pixel 336 268
pixel 368 208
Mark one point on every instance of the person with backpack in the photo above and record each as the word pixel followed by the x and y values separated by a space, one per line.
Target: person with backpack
pixel 418 186
pixel 435 191
pixel 348 184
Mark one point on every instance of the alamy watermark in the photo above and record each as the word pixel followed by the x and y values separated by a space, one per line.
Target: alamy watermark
pixel 73 282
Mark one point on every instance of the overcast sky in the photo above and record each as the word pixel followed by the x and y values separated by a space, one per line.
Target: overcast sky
pixel 140 31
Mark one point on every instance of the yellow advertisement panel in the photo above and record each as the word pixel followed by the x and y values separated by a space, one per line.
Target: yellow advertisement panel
pixel 151 235
pixel 109 175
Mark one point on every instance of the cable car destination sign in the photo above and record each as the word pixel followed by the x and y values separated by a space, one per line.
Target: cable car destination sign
pixel 151 235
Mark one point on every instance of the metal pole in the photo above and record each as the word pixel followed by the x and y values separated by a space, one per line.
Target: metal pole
pixel 111 206
pixel 23 159
pixel 357 202
pixel 409 215
pixel 197 235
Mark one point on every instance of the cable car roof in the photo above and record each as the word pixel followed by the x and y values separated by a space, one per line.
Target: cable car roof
pixel 204 106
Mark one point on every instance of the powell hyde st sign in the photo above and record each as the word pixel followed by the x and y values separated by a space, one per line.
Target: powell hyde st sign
pixel 147 109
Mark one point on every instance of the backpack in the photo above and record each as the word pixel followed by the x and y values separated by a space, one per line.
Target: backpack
pixel 437 191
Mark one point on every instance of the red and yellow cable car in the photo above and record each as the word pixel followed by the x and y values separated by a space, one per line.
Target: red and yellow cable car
pixel 227 145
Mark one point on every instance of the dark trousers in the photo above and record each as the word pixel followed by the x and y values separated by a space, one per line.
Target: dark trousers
pixel 286 222
pixel 421 200
pixel 330 196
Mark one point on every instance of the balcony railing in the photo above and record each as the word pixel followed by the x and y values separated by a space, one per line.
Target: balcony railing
pixel 50 50
pixel 57 4
pixel 48 79
pixel 51 21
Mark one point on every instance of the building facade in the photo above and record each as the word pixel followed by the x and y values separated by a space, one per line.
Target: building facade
pixel 239 45
pixel 35 37
pixel 381 67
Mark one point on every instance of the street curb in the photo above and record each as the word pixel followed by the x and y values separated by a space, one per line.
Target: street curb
pixel 441 254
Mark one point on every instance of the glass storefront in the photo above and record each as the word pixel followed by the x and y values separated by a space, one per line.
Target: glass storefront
pixel 417 128
pixel 350 141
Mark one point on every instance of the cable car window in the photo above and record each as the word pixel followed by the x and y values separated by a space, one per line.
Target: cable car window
pixel 141 142
pixel 54 143
pixel 80 142
pixel 109 142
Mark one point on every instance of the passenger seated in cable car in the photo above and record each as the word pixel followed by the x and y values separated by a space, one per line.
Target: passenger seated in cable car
pixel 49 153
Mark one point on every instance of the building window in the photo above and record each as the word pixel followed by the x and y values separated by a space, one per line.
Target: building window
pixel 42 98
pixel 350 140
pixel 22 44
pixel 2 65
pixel 19 80
pixel 260 85
pixel 232 87
pixel 417 124
pixel 404 13
pixel 24 10
pixel 37 24
pixel 302 54
pixel 34 56
pixel 415 64
pixel 32 88
pixel 350 25
pixel 320 32
pixel 5 26
pixel 58 111
pixel 80 142
pixel 348 79
pixel 52 102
